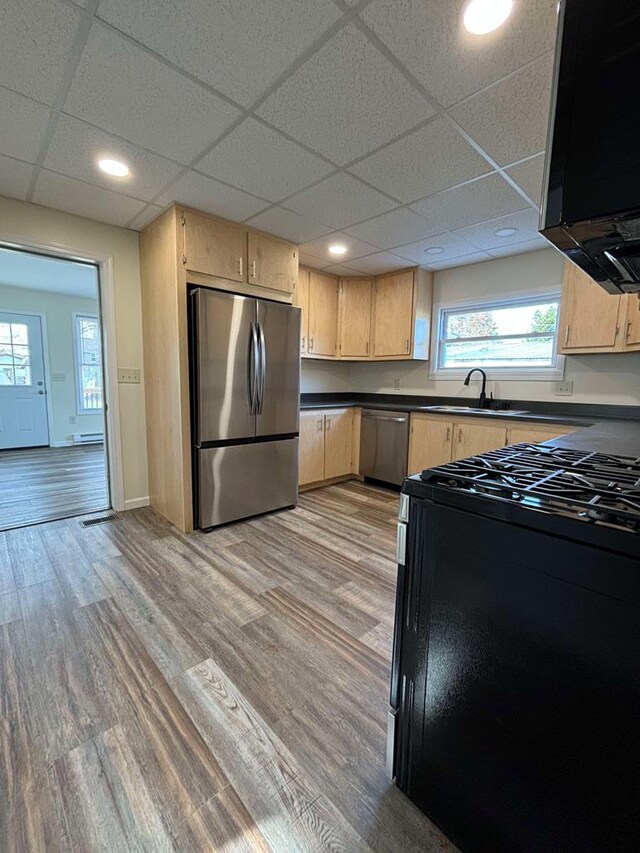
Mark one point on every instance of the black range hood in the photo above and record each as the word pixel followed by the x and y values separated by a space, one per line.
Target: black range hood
pixel 591 204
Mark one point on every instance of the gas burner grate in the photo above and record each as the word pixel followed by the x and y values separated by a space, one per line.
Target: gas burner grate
pixel 595 487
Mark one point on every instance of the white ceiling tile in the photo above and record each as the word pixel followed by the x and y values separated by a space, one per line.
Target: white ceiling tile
pixel 484 237
pixel 150 212
pixel 15 178
pixel 346 99
pixel 339 201
pixel 308 260
pixel 509 120
pixel 121 88
pixel 424 162
pixel 477 201
pixel 381 262
pixel 452 247
pixel 239 48
pixel 430 40
pixel 24 123
pixel 342 269
pixel 198 191
pixel 528 176
pixel 394 228
pixel 36 38
pixel 288 225
pixel 74 196
pixel 76 148
pixel 355 248
pixel 460 261
pixel 257 159
pixel 520 248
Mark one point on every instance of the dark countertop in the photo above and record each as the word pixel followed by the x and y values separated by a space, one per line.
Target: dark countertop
pixel 605 429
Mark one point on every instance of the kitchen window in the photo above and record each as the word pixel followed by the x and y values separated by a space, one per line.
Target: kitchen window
pixel 514 339
pixel 88 364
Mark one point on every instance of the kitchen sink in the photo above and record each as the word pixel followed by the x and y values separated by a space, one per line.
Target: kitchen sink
pixel 469 410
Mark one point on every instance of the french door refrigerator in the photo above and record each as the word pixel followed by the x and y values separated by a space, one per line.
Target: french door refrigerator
pixel 245 364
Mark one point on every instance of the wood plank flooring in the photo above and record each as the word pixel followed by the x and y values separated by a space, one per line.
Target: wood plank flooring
pixel 204 692
pixel 46 483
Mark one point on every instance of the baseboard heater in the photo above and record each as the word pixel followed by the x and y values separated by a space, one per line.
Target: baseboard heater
pixel 88 437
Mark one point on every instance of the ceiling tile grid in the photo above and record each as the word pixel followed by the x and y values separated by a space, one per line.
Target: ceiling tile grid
pixel 381 124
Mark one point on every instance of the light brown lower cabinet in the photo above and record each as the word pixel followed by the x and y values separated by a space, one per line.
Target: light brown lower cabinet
pixel 435 440
pixel 327 444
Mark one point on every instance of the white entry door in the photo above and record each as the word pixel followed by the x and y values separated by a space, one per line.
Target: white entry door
pixel 23 401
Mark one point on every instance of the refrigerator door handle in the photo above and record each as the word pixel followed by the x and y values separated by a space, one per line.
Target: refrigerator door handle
pixel 262 370
pixel 252 377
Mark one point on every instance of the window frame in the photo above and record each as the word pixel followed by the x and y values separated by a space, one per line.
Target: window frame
pixel 517 373
pixel 78 363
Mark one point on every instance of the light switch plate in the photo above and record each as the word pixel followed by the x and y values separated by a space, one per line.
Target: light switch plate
pixel 564 389
pixel 129 375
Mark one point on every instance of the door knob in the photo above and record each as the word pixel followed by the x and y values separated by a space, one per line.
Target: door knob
pixel 40 382
pixel 40 392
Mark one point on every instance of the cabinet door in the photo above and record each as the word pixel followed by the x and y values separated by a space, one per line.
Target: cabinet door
pixel 311 447
pixel 301 300
pixel 536 433
pixel 632 330
pixel 589 319
pixel 393 315
pixel 323 314
pixel 338 443
pixel 429 443
pixel 355 316
pixel 470 439
pixel 214 247
pixel 272 262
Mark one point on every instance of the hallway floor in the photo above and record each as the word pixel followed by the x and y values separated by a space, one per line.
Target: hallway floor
pixel 45 483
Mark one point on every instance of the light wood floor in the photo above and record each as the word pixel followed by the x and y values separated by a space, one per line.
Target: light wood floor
pixel 46 483
pixel 211 692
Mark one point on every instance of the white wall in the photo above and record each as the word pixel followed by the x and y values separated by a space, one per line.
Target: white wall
pixel 58 309
pixel 600 379
pixel 23 222
pixel 321 376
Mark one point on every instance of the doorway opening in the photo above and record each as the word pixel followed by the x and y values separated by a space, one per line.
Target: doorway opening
pixel 53 430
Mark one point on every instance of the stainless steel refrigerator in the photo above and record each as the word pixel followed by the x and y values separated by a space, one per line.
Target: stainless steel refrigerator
pixel 245 364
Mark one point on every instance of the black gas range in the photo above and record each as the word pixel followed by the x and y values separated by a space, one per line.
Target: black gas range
pixel 516 675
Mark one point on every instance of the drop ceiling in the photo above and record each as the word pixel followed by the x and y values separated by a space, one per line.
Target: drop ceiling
pixel 379 123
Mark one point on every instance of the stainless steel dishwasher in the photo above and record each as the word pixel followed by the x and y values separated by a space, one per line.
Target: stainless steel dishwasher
pixel 384 445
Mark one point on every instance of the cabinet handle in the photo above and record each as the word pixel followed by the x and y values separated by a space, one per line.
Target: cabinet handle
pixel 320 425
pixel 407 345
pixel 328 423
pixel 629 325
pixel 310 344
pixel 302 344
pixel 566 335
pixel 459 436
pixel 448 438
pixel 617 332
pixel 253 269
pixel 240 266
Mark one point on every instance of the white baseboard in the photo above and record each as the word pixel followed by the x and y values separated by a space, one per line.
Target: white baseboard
pixel 135 503
pixel 61 444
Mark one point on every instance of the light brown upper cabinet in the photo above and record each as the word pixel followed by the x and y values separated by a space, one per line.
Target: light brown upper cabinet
pixel 401 317
pixel 214 246
pixel 590 318
pixel 272 262
pixel 301 300
pixel 632 328
pixel 355 317
pixel 323 315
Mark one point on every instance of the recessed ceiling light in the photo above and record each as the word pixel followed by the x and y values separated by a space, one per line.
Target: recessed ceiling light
pixel 337 249
pixel 505 232
pixel 484 16
pixel 115 168
pixel 434 250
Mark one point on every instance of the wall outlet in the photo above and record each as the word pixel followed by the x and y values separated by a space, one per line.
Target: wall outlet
pixel 564 389
pixel 129 375
pixel 72 419
pixel 396 384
